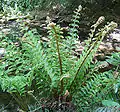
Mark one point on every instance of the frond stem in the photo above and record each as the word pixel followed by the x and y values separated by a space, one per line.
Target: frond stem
pixel 58 49
pixel 90 50
pixel 59 57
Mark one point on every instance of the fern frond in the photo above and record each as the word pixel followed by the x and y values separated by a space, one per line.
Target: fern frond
pixel 86 57
pixel 58 58
pixel 57 36
pixel 73 31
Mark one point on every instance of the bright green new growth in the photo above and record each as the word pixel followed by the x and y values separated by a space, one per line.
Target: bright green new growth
pixel 52 71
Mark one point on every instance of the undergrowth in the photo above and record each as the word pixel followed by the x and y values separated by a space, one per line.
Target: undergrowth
pixel 53 78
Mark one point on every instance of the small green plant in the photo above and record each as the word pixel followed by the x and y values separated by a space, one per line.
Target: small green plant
pixel 53 73
pixel 114 59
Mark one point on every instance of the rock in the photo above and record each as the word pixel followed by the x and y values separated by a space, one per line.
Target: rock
pixel 102 47
pixel 114 40
pixel 104 66
pixel 2 52
pixel 6 31
pixel 115 35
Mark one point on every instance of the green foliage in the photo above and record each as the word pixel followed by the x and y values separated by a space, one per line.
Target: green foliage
pixel 55 72
pixel 19 64
pixel 110 106
pixel 109 103
pixel 114 59
pixel 31 4
pixel 43 4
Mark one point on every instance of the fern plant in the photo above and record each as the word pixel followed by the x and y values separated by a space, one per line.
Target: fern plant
pixel 66 79
pixel 54 72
